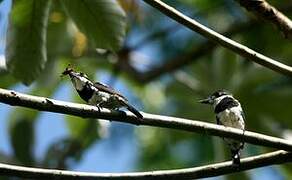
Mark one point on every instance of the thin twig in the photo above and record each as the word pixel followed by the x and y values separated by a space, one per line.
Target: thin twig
pixel 171 28
pixel 277 157
pixel 220 39
pixel 86 111
pixel 264 10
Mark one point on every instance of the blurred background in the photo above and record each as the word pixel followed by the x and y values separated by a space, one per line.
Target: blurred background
pixel 162 68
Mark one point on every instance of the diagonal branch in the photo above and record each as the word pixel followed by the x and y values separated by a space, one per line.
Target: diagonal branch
pixel 45 104
pixel 197 52
pixel 220 39
pixel 264 10
pixel 277 157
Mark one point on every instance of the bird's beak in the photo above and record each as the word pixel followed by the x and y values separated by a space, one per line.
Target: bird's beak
pixel 206 101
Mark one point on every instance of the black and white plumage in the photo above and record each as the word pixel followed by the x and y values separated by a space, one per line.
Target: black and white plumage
pixel 98 94
pixel 228 113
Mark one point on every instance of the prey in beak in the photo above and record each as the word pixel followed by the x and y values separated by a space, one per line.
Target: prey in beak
pixel 67 71
pixel 98 94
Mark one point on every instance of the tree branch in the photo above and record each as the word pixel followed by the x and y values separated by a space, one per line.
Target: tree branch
pixel 45 104
pixel 220 39
pixel 175 63
pixel 264 10
pixel 277 157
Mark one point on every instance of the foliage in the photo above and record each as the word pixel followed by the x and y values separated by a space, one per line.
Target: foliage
pixel 26 52
pixel 103 21
pixel 46 36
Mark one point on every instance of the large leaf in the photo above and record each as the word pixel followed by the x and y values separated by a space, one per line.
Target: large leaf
pixel 22 135
pixel 26 39
pixel 102 21
pixel 59 152
pixel 59 43
pixel 85 130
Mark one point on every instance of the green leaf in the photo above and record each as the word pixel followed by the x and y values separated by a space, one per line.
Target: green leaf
pixel 59 43
pixel 85 130
pixel 59 152
pixel 21 128
pixel 102 21
pixel 26 39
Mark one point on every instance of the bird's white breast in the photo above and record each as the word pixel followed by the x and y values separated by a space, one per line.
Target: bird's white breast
pixel 232 117
pixel 79 82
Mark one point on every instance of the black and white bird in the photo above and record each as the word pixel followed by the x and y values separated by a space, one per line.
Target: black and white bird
pixel 98 94
pixel 228 113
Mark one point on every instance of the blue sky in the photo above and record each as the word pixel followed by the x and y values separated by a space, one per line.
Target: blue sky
pixel 116 153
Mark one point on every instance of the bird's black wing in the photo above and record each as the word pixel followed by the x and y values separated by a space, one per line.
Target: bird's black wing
pixel 107 89
pixel 218 121
pixel 242 114
pixel 133 110
pixel 225 103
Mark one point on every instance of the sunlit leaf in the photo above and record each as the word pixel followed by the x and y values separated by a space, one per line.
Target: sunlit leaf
pixel 102 21
pixel 59 40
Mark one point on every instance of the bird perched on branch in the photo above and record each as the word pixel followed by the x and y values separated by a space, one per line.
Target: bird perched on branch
pixel 228 113
pixel 98 94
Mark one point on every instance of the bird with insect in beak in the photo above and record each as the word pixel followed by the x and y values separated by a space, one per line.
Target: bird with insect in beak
pixel 98 94
pixel 229 113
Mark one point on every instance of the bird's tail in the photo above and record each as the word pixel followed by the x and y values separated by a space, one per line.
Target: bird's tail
pixel 133 110
pixel 235 156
